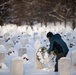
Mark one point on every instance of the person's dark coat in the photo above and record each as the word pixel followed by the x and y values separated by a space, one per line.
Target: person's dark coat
pixel 57 43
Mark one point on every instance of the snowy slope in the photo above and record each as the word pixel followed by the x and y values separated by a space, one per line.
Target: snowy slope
pixel 38 33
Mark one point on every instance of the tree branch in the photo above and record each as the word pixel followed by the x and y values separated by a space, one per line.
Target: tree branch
pixel 56 7
pixel 6 2
pixel 56 17
pixel 60 15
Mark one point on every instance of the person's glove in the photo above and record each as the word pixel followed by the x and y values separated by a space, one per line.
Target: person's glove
pixel 54 52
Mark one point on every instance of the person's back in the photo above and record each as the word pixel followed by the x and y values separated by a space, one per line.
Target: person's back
pixel 59 44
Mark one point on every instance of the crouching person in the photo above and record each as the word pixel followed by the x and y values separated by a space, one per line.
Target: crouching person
pixel 57 44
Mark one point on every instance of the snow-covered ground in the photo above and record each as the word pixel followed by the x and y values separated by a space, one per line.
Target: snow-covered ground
pixel 11 34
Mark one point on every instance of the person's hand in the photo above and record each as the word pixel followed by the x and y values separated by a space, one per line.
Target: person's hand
pixel 54 52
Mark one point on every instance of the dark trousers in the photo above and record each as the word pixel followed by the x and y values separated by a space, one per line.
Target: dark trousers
pixel 60 55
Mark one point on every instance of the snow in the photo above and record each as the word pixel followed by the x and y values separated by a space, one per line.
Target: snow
pixel 38 34
pixel 2 49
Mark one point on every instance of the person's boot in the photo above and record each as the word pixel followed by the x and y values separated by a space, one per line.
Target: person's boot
pixel 56 71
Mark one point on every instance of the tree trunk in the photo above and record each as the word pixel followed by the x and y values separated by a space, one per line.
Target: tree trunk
pixel 74 24
pixel 1 21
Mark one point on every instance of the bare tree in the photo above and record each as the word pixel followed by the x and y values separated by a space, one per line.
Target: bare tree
pixel 43 11
pixel 4 10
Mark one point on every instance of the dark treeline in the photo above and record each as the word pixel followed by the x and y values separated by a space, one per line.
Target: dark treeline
pixel 39 11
